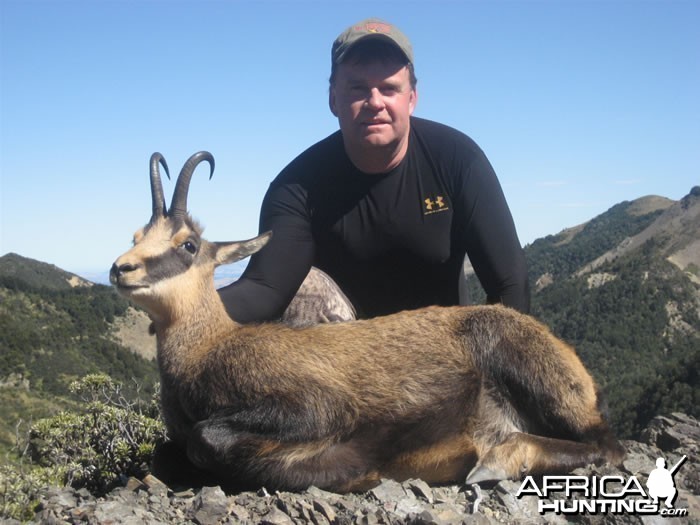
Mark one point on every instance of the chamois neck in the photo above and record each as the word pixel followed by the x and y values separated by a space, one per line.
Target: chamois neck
pixel 198 309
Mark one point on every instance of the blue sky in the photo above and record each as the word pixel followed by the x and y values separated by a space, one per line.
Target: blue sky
pixel 579 105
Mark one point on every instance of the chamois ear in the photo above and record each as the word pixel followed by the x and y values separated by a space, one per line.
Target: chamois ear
pixel 230 252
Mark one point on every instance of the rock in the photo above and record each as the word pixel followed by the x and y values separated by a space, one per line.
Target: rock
pixel 325 509
pixel 421 489
pixel 442 514
pixel 155 486
pixel 669 433
pixel 149 501
pixel 276 517
pixel 239 513
pixel 409 506
pixel 321 494
pixel 388 492
pixel 637 462
pixel 64 497
pixel 505 492
pixel 134 484
pixel 211 505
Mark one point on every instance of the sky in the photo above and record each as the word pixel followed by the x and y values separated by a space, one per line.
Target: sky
pixel 579 105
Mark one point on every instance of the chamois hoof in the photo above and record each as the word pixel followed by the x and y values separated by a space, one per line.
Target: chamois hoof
pixel 481 474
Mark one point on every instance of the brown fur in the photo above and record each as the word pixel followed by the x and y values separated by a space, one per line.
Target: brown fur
pixel 438 393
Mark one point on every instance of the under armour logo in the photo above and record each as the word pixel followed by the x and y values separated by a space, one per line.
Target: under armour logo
pixel 434 206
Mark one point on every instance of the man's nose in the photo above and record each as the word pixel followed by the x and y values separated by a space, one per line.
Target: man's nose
pixel 375 99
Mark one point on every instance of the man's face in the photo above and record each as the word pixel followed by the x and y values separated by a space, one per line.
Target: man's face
pixel 373 103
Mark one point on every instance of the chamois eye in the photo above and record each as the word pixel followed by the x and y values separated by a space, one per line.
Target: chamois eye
pixel 189 247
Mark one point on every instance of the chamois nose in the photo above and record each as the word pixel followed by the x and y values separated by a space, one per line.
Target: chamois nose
pixel 117 271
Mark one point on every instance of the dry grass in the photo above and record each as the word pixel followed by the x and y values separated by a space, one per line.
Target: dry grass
pixel 131 331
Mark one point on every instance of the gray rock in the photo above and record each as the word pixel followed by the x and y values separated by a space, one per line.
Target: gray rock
pixel 122 513
pixel 409 506
pixel 388 492
pixel 443 514
pixel 211 505
pixel 148 501
pixel 276 517
pixel 637 463
pixel 321 494
pixel 421 489
pixel 65 497
pixel 325 509
pixel 239 513
pixel 155 486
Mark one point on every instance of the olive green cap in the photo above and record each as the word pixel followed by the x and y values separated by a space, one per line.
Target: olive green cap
pixel 372 28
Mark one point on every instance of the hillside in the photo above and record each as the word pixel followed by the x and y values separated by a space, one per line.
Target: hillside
pixel 559 256
pixel 55 328
pixel 39 274
pixel 624 289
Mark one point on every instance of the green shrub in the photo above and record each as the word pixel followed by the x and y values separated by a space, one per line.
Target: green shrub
pixel 112 439
pixel 19 488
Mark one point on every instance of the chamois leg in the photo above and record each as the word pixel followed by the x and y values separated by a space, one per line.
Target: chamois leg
pixel 524 454
pixel 540 381
pixel 445 461
pixel 246 459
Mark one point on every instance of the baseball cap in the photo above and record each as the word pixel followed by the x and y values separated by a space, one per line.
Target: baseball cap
pixel 371 28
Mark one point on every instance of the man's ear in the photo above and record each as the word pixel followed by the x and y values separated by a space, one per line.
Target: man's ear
pixel 332 101
pixel 230 252
pixel 413 100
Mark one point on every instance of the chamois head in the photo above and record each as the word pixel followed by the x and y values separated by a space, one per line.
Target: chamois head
pixel 170 257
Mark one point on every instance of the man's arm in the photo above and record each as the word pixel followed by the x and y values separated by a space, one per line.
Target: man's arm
pixel 275 273
pixel 491 239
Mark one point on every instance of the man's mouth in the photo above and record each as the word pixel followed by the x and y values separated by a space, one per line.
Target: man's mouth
pixel 375 123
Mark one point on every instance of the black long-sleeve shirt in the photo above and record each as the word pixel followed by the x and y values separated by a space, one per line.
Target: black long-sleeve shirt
pixel 392 241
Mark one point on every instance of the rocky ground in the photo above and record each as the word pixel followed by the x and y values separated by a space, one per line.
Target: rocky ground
pixel 148 501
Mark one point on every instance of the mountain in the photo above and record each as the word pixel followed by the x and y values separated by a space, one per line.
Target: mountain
pixel 675 232
pixel 39 274
pixel 56 327
pixel 624 290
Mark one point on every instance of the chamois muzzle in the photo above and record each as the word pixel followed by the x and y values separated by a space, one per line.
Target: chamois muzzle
pixel 117 271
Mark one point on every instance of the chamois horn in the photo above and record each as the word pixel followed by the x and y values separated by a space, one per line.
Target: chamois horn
pixel 178 206
pixel 157 185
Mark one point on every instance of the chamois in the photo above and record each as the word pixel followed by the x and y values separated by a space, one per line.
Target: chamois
pixel 440 393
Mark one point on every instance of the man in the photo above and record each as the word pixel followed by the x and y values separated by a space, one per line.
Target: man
pixel 388 206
